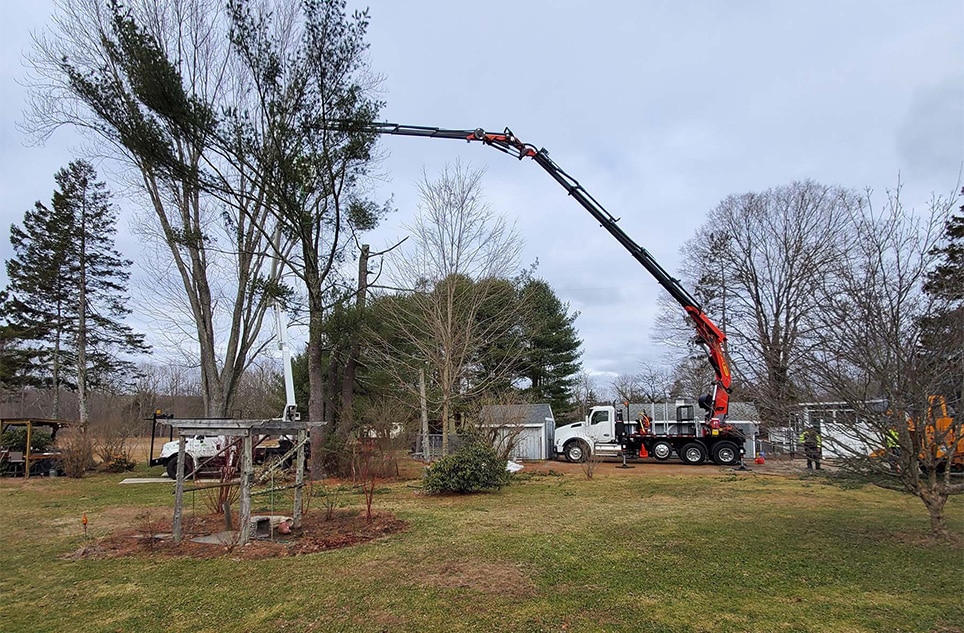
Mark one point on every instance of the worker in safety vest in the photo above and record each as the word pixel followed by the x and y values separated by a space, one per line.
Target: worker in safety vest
pixel 645 423
pixel 812 445
pixel 892 442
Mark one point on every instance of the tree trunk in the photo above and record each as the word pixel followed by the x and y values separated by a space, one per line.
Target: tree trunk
pixel 82 328
pixel 316 379
pixel 351 362
pixel 55 369
pixel 934 502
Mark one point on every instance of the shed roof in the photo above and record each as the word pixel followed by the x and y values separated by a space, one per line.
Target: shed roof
pixel 516 414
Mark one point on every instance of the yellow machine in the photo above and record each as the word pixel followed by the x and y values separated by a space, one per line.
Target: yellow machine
pixel 942 439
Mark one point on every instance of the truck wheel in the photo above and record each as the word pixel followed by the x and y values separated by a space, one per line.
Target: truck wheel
pixel 693 453
pixel 726 453
pixel 576 452
pixel 661 450
pixel 172 466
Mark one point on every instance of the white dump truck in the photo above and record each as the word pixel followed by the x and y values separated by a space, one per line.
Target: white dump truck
pixel 605 433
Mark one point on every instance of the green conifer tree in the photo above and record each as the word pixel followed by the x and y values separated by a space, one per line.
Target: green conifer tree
pixel 67 288
pixel 551 360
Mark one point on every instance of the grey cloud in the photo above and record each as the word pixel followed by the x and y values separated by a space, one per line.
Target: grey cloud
pixel 930 139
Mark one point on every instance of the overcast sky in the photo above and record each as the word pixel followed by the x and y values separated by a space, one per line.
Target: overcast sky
pixel 659 109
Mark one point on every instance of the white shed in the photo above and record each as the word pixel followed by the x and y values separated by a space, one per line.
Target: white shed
pixel 529 428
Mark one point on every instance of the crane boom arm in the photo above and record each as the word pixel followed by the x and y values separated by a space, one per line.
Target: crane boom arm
pixel 708 334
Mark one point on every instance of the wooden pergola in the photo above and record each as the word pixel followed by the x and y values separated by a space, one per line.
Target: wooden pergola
pixel 31 423
pixel 247 430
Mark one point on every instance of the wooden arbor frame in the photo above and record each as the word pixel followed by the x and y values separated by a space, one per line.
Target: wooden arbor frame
pixel 30 424
pixel 247 430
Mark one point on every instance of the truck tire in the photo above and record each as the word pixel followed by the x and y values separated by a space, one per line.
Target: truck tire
pixel 693 453
pixel 661 450
pixel 576 452
pixel 172 466
pixel 726 453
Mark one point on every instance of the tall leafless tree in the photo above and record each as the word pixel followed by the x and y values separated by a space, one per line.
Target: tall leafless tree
pixel 869 352
pixel 767 251
pixel 146 81
pixel 459 252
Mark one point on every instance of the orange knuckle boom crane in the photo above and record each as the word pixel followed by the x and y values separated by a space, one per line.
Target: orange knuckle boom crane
pixel 640 440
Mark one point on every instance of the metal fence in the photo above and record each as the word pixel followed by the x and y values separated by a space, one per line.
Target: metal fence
pixel 428 448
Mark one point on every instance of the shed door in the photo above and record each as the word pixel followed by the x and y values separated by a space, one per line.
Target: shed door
pixel 529 445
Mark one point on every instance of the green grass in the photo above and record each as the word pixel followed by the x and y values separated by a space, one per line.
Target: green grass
pixel 700 552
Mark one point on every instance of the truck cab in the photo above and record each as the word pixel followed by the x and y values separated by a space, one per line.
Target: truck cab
pixel 597 434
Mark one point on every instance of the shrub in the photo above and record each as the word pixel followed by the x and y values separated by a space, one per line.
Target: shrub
pixel 77 453
pixel 113 446
pixel 474 467
pixel 15 439
pixel 114 463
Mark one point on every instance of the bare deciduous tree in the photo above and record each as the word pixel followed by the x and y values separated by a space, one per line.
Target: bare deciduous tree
pixel 690 376
pixel 651 384
pixel 460 254
pixel 146 81
pixel 870 352
pixel 585 393
pixel 767 252
pixel 627 387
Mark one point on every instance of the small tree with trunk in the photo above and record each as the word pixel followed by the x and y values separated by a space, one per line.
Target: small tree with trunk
pixel 460 250
pixel 870 331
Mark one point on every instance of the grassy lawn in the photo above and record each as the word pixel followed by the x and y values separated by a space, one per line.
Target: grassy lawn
pixel 704 551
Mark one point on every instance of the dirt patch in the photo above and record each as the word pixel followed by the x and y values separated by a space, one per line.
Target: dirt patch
pixel 489 578
pixel 345 528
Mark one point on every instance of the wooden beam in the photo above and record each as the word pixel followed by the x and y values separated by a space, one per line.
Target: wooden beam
pixel 247 477
pixel 179 490
pixel 299 478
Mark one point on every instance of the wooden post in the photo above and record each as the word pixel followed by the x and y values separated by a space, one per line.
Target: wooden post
pixel 299 477
pixel 26 463
pixel 247 477
pixel 179 489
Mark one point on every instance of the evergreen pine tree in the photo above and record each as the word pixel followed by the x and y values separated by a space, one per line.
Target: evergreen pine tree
pixel 68 284
pixel 39 296
pixel 943 334
pixel 551 360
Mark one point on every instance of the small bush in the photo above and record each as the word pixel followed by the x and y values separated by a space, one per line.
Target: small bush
pixel 15 439
pixel 113 463
pixel 113 447
pixel 474 467
pixel 77 454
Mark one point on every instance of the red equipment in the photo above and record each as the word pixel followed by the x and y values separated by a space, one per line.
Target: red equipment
pixel 708 334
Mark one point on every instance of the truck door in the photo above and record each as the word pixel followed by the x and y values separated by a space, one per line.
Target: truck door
pixel 601 426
